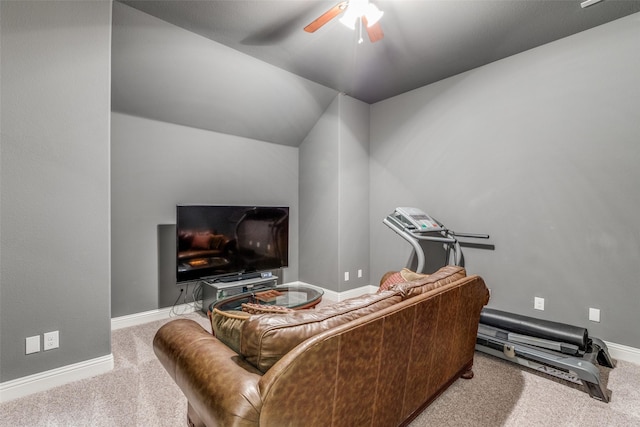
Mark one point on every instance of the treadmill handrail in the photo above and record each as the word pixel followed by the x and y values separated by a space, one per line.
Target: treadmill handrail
pixel 406 236
pixel 413 237
pixel 434 238
pixel 413 231
pixel 469 235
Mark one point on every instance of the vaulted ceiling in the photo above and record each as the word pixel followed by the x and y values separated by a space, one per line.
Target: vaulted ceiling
pixel 424 40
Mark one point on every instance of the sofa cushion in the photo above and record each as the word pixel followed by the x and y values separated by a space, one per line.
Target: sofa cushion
pixel 268 337
pixel 443 276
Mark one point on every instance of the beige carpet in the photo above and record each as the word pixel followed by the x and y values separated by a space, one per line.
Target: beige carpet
pixel 138 392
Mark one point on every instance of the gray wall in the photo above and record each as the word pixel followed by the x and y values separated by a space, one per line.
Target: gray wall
pixel 541 151
pixel 334 197
pixel 319 154
pixel 54 269
pixel 353 193
pixel 156 165
pixel 166 73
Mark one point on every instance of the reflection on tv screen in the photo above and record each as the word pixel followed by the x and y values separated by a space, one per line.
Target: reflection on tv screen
pixel 229 240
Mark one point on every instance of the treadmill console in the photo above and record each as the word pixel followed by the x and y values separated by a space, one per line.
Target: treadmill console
pixel 416 220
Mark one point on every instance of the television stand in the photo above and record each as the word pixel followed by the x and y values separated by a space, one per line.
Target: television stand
pixel 214 290
pixel 240 277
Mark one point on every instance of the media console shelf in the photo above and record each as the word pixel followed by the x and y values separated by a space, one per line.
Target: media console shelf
pixel 213 291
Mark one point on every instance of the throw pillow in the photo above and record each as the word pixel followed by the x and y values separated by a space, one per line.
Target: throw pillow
pixel 445 275
pixel 390 279
pixel 227 327
pixel 410 276
pixel 393 278
pixel 201 241
pixel 254 308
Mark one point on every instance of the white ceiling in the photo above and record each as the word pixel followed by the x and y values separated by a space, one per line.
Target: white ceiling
pixel 425 40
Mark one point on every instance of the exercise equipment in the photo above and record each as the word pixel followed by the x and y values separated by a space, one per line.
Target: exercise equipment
pixel 563 351
pixel 413 225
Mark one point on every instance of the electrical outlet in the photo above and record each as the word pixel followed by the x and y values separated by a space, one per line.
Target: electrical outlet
pixel 346 276
pixel 32 344
pixel 538 303
pixel 594 314
pixel 51 340
pixel 360 273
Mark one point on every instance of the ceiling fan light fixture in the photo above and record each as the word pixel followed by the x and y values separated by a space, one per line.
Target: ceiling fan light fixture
pixel 352 13
pixel 373 14
pixel 356 9
pixel 349 18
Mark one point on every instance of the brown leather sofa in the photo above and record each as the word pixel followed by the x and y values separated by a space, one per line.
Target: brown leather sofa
pixel 374 360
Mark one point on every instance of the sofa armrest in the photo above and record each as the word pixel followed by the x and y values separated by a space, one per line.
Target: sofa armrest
pixel 219 385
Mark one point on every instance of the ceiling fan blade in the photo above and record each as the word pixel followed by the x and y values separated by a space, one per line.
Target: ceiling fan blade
pixel 374 31
pixel 326 17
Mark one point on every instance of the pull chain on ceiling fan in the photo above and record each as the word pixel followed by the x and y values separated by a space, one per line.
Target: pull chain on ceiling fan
pixel 355 11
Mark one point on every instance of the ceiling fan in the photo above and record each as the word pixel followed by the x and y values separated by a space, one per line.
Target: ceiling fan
pixel 354 12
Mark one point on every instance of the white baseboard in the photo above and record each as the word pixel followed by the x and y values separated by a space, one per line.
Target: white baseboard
pixel 352 293
pixel 43 381
pixel 340 296
pixel 623 352
pixel 151 316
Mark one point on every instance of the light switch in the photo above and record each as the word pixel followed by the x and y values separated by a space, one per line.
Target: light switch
pixel 33 344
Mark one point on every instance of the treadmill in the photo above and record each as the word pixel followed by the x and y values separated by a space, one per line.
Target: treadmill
pixel 563 351
pixel 557 349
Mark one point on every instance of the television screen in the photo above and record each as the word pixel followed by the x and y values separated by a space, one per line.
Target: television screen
pixel 216 241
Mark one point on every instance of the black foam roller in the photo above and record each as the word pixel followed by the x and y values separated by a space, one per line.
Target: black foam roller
pixel 531 326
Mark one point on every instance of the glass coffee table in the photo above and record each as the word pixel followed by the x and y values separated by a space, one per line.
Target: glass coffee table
pixel 296 297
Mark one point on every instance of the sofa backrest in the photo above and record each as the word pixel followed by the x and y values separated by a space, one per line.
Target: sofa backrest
pixel 395 361
pixel 266 338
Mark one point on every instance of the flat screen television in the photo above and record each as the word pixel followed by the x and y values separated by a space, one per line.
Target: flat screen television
pixel 230 241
